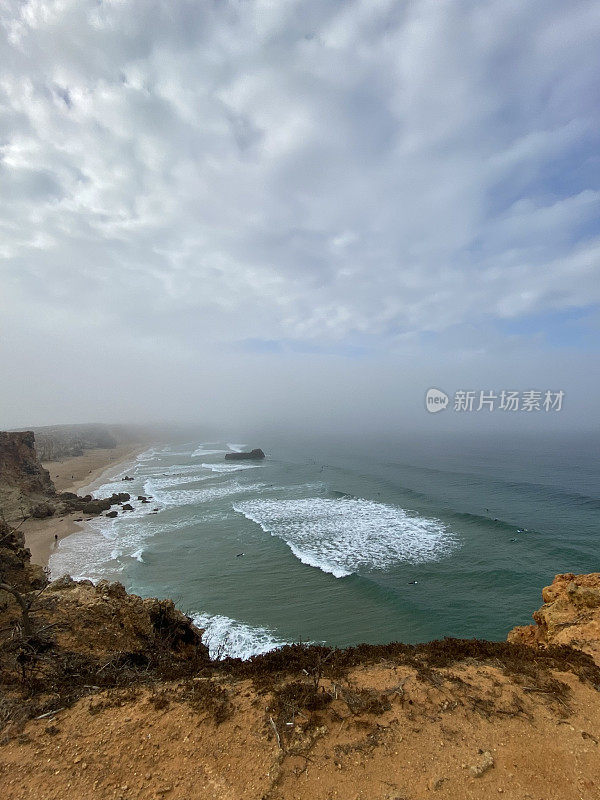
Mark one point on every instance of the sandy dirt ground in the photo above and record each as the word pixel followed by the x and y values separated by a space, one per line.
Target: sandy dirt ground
pixel 472 732
pixel 80 474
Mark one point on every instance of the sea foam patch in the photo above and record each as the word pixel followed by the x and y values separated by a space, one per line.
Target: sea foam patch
pixel 103 545
pixel 225 468
pixel 228 637
pixel 173 480
pixel 185 497
pixel 342 536
pixel 97 549
pixel 206 451
pixel 148 455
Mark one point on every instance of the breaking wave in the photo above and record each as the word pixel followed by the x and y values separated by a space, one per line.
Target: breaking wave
pixel 204 451
pixel 224 468
pixel 345 535
pixel 228 637
pixel 186 497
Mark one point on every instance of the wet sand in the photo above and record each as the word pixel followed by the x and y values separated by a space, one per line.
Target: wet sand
pixel 80 474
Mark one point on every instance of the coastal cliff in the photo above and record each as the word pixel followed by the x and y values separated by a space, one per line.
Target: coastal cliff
pixel 58 638
pixel 25 486
pixel 55 442
pixel 106 695
pixel 27 490
pixel 570 615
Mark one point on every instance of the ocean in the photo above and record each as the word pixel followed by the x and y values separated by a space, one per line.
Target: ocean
pixel 348 541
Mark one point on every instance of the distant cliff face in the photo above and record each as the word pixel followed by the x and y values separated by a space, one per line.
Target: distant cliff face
pixel 65 441
pixel 24 483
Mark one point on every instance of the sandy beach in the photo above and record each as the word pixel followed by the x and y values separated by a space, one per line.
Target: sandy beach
pixel 81 474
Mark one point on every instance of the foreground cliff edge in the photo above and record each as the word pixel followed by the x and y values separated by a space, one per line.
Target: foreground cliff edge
pixel 106 695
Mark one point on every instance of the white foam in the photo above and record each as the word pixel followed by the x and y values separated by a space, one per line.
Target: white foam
pixel 104 544
pixel 345 535
pixel 224 468
pixel 237 448
pixel 228 637
pixel 175 469
pixel 170 451
pixel 148 455
pixel 185 497
pixel 116 485
pixel 89 553
pixel 165 481
pixel 98 548
pixel 203 451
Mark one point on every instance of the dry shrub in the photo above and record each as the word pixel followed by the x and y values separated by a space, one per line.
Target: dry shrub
pixel 514 659
pixel 365 701
pixel 204 695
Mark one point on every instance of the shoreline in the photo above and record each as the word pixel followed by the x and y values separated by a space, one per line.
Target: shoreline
pixel 80 474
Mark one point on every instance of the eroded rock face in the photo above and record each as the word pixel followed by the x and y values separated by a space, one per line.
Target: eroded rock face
pixel 77 633
pixel 15 566
pixel 570 615
pixel 104 621
pixel 24 483
pixel 26 489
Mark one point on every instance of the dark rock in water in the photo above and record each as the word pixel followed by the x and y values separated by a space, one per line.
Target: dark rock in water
pixel 111 514
pixel 141 497
pixel 127 507
pixel 120 497
pixel 88 505
pixel 256 454
pixel 95 506
pixel 126 478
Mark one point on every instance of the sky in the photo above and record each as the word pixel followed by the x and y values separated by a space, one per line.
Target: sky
pixel 298 213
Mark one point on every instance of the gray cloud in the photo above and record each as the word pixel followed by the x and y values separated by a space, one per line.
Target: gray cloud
pixel 182 179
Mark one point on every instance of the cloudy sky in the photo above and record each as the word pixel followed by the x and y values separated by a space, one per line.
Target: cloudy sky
pixel 275 207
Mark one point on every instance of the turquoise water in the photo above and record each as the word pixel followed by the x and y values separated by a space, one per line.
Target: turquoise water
pixel 345 542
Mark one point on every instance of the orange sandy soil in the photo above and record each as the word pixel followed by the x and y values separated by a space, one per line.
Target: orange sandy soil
pixel 78 474
pixel 467 732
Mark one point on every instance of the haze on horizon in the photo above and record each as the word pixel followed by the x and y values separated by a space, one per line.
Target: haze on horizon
pixel 298 214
